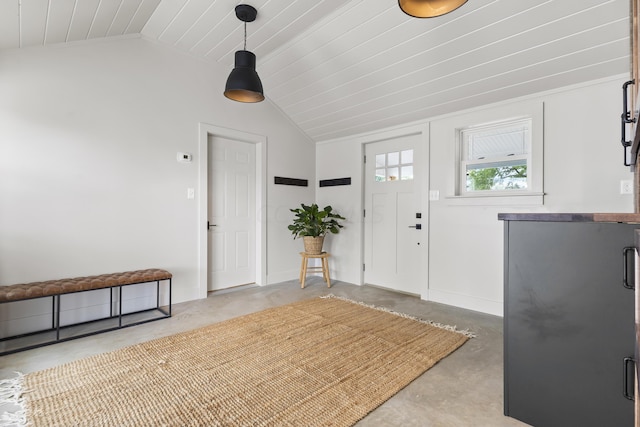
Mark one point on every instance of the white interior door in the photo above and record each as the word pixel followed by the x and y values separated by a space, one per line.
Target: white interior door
pixel 231 208
pixel 394 230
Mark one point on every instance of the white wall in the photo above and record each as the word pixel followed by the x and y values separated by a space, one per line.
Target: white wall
pixel 582 173
pixel 342 161
pixel 89 181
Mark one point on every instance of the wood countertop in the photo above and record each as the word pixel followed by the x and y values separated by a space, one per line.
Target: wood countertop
pixel 629 218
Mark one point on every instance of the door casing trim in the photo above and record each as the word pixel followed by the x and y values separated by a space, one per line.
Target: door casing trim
pixel 205 131
pixel 423 131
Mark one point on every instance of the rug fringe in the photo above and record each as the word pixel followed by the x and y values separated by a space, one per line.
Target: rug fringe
pixel 451 328
pixel 11 393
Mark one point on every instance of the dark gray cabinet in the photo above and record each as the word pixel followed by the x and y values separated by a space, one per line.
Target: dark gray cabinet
pixel 568 322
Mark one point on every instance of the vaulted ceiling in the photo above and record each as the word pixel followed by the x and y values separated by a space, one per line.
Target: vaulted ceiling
pixel 342 67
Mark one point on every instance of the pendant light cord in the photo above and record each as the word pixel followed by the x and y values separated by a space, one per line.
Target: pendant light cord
pixel 245 35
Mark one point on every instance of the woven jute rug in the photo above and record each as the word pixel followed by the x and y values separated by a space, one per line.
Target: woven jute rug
pixel 318 362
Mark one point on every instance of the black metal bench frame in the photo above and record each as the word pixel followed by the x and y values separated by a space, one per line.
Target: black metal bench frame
pixel 56 309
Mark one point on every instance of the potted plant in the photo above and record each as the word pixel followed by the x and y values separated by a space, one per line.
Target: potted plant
pixel 312 223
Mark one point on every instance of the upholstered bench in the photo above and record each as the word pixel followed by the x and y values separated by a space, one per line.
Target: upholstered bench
pixel 56 288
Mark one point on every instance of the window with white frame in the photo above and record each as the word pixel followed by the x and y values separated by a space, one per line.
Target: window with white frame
pixel 395 165
pixel 495 158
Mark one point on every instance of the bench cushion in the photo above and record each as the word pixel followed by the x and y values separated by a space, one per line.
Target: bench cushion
pixel 63 286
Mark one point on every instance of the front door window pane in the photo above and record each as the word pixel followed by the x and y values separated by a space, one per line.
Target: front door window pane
pixel 406 172
pixel 406 157
pixel 393 159
pixel 394 166
pixel 392 174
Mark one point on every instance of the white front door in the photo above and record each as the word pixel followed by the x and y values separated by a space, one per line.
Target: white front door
pixel 232 222
pixel 394 226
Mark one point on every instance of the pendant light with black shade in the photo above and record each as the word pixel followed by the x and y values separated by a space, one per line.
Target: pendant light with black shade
pixel 429 8
pixel 243 83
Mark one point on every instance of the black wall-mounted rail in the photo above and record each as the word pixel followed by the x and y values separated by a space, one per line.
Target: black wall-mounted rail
pixel 290 181
pixel 335 182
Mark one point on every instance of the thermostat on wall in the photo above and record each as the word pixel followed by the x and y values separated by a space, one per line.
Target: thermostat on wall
pixel 184 157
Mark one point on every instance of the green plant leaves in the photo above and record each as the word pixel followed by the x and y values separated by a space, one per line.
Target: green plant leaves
pixel 311 221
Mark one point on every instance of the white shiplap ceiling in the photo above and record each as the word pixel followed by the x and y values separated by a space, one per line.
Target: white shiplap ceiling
pixel 341 67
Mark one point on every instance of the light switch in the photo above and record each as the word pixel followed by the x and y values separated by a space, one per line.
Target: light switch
pixel 191 193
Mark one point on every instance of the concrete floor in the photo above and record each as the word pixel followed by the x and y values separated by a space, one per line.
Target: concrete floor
pixel 464 389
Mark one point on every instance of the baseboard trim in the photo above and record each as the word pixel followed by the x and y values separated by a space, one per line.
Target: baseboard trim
pixel 465 301
pixel 283 276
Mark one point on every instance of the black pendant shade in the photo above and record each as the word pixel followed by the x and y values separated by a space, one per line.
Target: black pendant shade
pixel 243 84
pixel 429 8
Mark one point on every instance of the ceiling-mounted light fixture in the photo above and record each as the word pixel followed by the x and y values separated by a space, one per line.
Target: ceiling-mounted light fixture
pixel 243 84
pixel 429 8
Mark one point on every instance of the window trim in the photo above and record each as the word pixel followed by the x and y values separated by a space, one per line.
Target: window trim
pixel 533 195
pixel 463 141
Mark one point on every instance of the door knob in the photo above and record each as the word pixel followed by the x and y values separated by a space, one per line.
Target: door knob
pixel 417 226
pixel 209 225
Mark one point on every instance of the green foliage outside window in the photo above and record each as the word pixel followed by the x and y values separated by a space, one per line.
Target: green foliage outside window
pixel 497 178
